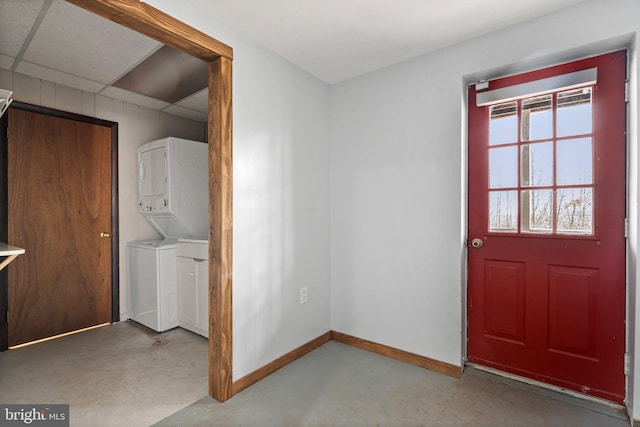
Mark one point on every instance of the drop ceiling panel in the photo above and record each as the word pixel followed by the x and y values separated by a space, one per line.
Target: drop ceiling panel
pixel 198 102
pixel 169 74
pixel 58 77
pixel 78 42
pixel 18 16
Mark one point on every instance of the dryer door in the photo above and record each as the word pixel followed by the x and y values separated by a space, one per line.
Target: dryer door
pixel 152 172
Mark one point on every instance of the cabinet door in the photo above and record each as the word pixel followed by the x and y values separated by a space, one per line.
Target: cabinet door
pixel 187 279
pixel 203 295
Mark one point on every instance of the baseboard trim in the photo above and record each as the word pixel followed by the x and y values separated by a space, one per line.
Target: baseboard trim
pixel 393 353
pixel 401 355
pixel 280 362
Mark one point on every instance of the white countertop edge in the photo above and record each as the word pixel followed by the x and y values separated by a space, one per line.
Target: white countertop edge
pixel 202 242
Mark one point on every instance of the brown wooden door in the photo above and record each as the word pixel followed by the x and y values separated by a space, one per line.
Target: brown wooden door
pixel 546 296
pixel 59 196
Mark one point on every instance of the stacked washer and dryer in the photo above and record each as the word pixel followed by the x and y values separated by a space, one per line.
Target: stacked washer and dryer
pixel 168 278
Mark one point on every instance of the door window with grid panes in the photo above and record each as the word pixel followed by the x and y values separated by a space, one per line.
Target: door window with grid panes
pixel 541 164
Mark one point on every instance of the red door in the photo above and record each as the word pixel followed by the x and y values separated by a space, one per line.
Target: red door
pixel 546 257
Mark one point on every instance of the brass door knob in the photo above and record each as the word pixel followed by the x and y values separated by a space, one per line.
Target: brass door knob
pixel 103 234
pixel 477 243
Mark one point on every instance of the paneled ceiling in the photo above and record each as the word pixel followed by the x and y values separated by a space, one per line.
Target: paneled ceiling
pixel 59 42
pixel 332 39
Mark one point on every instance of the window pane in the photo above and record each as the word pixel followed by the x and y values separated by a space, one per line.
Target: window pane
pixel 537 118
pixel 503 167
pixel 574 112
pixel 536 163
pixel 575 211
pixel 503 211
pixel 574 162
pixel 537 211
pixel 503 126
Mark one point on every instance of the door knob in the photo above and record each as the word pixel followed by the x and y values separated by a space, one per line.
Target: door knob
pixel 103 234
pixel 477 243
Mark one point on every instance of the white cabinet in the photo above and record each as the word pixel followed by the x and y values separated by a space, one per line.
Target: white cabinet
pixel 193 286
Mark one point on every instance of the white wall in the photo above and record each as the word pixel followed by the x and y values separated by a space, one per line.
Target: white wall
pixel 389 190
pixel 136 125
pixel 280 197
pixel 398 165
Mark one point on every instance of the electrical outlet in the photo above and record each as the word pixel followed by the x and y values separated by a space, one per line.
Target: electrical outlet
pixel 304 295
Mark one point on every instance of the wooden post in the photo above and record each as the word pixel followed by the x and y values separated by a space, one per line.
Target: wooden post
pixel 221 229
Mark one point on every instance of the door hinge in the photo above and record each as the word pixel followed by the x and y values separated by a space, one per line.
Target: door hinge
pixel 626 228
pixel 627 91
pixel 627 364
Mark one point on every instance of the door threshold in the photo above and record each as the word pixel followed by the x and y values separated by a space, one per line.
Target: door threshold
pixel 595 404
pixel 77 331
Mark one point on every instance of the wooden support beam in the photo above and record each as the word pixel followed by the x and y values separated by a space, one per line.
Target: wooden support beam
pixel 220 230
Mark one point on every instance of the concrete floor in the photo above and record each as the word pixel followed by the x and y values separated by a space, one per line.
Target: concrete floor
pixel 124 374
pixel 118 375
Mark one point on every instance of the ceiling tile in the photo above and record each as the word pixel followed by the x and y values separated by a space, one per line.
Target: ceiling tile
pixel 186 113
pixel 198 101
pixel 18 17
pixel 78 42
pixel 169 74
pixel 134 98
pixel 6 62
pixel 58 77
